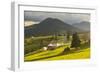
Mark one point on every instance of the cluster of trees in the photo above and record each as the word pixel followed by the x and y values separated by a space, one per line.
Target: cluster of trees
pixel 76 42
pixel 75 39
pixel 33 44
pixel 65 35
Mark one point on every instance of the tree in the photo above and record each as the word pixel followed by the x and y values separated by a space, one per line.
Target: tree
pixel 56 37
pixel 68 36
pixel 64 38
pixel 75 41
pixel 41 43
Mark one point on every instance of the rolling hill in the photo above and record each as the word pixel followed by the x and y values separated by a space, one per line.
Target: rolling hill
pixel 49 26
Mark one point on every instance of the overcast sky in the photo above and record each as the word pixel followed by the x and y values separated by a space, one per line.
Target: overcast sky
pixel 70 18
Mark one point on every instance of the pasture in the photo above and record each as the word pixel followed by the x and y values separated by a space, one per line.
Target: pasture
pixel 34 51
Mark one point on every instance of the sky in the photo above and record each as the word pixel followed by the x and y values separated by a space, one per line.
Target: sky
pixel 34 17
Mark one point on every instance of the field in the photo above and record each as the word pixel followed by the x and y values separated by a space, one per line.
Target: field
pixel 57 55
pixel 75 55
pixel 34 48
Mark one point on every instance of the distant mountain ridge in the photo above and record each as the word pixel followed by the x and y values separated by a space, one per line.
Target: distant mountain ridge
pixel 84 25
pixel 49 26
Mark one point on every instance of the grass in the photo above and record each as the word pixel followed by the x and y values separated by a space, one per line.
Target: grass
pixel 34 51
pixel 82 54
pixel 57 55
pixel 44 54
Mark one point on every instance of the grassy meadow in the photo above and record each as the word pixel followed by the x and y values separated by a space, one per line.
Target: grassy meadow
pixel 41 48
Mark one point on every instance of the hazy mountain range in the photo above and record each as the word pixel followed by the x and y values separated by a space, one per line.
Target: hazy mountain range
pixel 51 26
pixel 84 25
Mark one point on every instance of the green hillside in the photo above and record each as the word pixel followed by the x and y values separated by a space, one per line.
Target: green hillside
pixel 57 54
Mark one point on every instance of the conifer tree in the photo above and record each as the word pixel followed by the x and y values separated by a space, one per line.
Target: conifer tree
pixel 75 41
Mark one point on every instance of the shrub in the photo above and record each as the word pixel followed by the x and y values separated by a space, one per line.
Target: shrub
pixel 66 50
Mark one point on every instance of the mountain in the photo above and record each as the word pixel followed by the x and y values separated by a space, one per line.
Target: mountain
pixel 49 26
pixel 84 25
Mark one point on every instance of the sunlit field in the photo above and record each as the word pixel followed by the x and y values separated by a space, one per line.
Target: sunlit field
pixel 36 49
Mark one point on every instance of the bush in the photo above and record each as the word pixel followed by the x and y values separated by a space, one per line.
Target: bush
pixel 66 50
